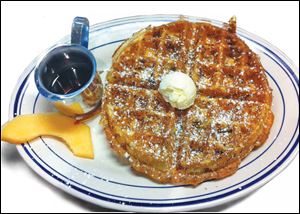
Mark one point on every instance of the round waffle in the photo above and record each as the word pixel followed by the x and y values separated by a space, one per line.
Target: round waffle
pixel 231 115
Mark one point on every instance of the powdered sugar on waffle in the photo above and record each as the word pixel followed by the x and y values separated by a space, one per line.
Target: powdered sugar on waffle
pixel 233 98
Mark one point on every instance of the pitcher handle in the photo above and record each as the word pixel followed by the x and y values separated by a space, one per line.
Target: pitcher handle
pixel 80 31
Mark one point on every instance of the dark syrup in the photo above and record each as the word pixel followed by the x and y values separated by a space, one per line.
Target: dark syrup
pixel 67 72
pixel 69 80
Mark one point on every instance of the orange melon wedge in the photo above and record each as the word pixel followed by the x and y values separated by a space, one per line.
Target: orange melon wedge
pixel 25 128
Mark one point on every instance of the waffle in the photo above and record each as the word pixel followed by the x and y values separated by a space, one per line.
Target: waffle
pixel 231 115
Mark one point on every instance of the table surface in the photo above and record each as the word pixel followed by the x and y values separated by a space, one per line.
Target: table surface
pixel 29 28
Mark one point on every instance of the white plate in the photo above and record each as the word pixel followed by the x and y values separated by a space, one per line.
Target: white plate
pixel 106 182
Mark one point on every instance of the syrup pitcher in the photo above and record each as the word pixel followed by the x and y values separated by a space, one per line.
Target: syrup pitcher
pixel 66 75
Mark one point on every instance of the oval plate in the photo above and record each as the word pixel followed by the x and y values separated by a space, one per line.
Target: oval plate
pixel 108 183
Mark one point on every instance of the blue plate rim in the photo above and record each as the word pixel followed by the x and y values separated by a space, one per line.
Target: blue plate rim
pixel 295 79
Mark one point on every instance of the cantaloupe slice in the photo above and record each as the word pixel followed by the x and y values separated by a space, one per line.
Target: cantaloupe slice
pixel 25 128
pixel 70 110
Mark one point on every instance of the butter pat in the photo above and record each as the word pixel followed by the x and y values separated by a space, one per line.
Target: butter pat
pixel 178 89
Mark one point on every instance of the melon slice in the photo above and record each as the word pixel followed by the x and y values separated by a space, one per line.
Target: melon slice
pixel 70 110
pixel 25 128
